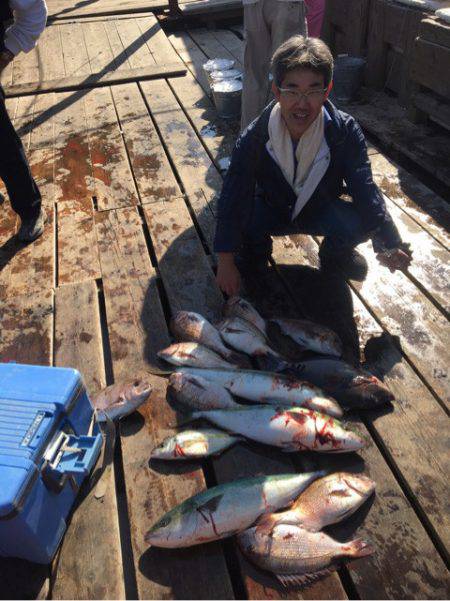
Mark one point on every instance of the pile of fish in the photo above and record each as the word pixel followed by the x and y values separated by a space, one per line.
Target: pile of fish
pixel 294 406
pixel 297 410
pixel 288 544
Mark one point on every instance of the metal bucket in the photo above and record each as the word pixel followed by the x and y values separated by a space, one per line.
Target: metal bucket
pixel 225 74
pixel 217 64
pixel 227 96
pixel 347 77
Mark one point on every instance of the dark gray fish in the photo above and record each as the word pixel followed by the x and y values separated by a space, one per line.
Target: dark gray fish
pixel 352 387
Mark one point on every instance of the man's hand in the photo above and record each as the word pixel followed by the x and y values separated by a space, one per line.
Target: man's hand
pixel 228 277
pixel 394 259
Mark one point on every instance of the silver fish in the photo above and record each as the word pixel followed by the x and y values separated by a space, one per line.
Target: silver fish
pixel 239 307
pixel 197 393
pixel 194 444
pixel 311 336
pixel 188 326
pixel 244 336
pixel 295 555
pixel 290 428
pixel 353 387
pixel 266 387
pixel 192 354
pixel 121 399
pixel 326 501
pixel 226 509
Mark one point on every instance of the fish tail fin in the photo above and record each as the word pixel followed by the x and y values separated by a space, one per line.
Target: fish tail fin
pixel 358 548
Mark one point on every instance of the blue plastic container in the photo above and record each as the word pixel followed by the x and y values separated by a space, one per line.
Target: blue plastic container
pixel 45 455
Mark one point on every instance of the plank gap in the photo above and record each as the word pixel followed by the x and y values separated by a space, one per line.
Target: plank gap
pixel 107 358
pixel 130 581
pixel 426 293
pixel 348 584
pixel 409 494
pixel 95 203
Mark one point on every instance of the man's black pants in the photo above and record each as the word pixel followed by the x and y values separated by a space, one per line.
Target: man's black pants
pixel 14 169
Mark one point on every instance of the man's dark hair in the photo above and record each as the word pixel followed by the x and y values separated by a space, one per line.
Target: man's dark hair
pixel 299 52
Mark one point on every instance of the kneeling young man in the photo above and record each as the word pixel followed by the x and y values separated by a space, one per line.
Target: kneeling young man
pixel 287 175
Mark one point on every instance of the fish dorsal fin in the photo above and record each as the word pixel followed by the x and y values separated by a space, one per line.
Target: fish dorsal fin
pixel 299 580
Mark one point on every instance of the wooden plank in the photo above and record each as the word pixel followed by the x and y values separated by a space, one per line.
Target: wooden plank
pixel 435 31
pixel 192 56
pixel 387 121
pixel 73 169
pixel 58 9
pixel 115 43
pixel 408 432
pixel 151 169
pixel 189 284
pixel 137 330
pixel 77 242
pixel 422 204
pixel 438 110
pixel 232 43
pixel 187 276
pixel 210 45
pixel 156 41
pixel 96 572
pixel 426 54
pixel 101 58
pixel 139 56
pixel 76 58
pixel 50 55
pixel 113 179
pixel 96 80
pixel 200 178
pixel 26 67
pixel 27 334
pixel 32 268
pixel 431 262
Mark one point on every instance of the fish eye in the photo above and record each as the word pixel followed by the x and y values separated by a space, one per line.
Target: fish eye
pixel 164 522
pixel 136 383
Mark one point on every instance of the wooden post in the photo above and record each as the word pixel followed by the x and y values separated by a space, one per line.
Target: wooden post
pixel 174 9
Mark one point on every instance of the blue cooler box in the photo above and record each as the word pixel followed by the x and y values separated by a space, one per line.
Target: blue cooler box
pixel 45 455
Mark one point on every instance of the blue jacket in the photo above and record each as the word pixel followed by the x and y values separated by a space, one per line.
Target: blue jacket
pixel 253 171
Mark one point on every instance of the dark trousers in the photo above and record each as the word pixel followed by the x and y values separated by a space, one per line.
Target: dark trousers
pixel 338 222
pixel 14 169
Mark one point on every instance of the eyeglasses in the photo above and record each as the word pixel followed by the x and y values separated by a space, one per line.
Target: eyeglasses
pixel 296 95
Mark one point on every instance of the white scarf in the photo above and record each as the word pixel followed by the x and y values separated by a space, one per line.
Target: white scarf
pixel 280 144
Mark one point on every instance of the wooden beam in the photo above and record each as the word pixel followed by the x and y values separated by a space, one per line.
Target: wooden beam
pixel 70 84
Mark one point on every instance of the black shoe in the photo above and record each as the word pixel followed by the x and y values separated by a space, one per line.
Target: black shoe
pixel 30 229
pixel 348 261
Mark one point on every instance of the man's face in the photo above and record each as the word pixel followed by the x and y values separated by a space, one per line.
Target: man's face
pixel 300 112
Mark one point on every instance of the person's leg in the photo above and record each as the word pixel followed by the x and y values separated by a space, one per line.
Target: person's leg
pixel 285 20
pixel 256 63
pixel 14 170
pixel 315 11
pixel 343 230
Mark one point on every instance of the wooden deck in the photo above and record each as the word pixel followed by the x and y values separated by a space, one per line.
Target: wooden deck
pixel 130 175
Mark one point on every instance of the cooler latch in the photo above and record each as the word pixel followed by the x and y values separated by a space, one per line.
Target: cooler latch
pixel 68 456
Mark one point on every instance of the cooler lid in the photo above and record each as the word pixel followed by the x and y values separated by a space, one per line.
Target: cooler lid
pixel 33 399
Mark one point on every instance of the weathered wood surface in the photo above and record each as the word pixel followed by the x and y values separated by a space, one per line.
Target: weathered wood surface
pixel 69 84
pixel 345 26
pixel 200 178
pixel 426 54
pixel 92 53
pixel 89 562
pixel 428 209
pixel 137 330
pixel 151 169
pixel 387 121
pixel 59 9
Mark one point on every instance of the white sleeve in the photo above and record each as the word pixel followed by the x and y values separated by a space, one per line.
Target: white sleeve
pixel 30 17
